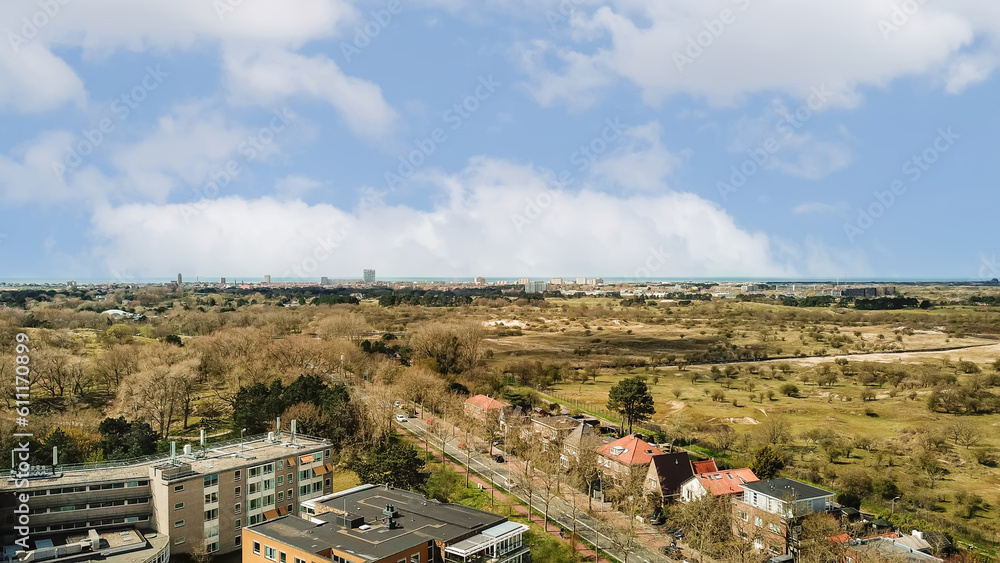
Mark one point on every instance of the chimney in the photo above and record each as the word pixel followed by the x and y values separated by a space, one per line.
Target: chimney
pixel 203 438
pixel 390 513
pixel 293 431
pixel 55 456
pixel 173 451
pixel 277 425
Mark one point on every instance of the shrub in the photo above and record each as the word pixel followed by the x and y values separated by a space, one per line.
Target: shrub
pixel 790 390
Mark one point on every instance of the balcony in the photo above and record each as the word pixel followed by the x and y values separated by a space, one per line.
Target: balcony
pixel 91 514
pixel 92 497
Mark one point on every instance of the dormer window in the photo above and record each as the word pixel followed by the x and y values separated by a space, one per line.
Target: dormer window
pixel 618 450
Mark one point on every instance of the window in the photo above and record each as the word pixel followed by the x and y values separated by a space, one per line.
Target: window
pixel 317 486
pixel 238 492
pixel 327 454
pixel 179 524
pixel 327 484
pixel 288 495
pixel 211 480
pixel 415 558
pixel 304 490
pixel 238 524
pixel 212 514
pixel 288 479
pixel 268 500
pixel 743 516
pixel 281 496
pixel 179 506
pixel 239 541
pixel 179 541
pixel 237 474
pixel 303 475
pixel 238 509
pixel 268 469
pixel 254 503
pixel 212 547
pixel 256 548
pixel 211 497
pixel 268 484
pixel 281 480
pixel 281 557
pixel 774 528
pixel 338 559
pixel 212 532
pixel 178 488
pixel 288 508
pixel 270 553
pixel 253 472
pixel 254 487
pixel 297 560
pixel 758 521
pixel 281 464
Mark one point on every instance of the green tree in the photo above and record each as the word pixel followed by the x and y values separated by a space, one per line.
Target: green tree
pixel 69 450
pixel 632 400
pixel 767 462
pixel 444 485
pixel 397 464
pixel 122 439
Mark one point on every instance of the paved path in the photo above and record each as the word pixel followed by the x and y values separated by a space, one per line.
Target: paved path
pixel 560 510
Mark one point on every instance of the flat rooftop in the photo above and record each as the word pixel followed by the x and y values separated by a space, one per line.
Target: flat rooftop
pixel 119 545
pixel 216 457
pixel 418 521
pixel 787 489
pixel 558 422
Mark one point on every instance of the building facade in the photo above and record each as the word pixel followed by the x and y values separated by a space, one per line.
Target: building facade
pixel 369 277
pixel 769 512
pixel 201 497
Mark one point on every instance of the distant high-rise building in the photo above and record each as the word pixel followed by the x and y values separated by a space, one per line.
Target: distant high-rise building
pixel 324 280
pixel 581 281
pixel 180 280
pixel 369 277
pixel 556 281
pixel 480 281
pixel 536 287
pixel 267 278
pixel 223 282
pixel 523 281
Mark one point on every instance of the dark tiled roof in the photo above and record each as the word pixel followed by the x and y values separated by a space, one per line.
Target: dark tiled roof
pixel 672 470
pixel 784 489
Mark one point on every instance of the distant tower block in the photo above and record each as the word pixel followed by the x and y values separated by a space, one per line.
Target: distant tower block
pixel 267 278
pixel 369 277
pixel 223 282
pixel 180 280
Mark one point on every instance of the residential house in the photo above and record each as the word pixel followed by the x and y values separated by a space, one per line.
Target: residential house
pixel 666 474
pixel 879 549
pixel 729 482
pixel 770 512
pixel 484 408
pixel 625 456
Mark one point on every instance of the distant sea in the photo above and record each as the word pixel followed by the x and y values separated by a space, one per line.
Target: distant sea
pixel 512 279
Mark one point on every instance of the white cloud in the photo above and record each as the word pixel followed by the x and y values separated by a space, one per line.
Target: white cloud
pixel 295 186
pixel 639 161
pixel 471 231
pixel 269 77
pixel 33 80
pixel 655 47
pixel 969 70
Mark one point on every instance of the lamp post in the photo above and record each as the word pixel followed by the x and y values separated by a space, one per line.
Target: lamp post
pixel 241 439
pixel 892 509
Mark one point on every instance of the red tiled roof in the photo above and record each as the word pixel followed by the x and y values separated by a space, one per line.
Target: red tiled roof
pixel 485 403
pixel 728 482
pixel 704 466
pixel 637 452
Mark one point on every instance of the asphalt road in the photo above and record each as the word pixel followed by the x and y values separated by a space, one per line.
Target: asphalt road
pixel 560 511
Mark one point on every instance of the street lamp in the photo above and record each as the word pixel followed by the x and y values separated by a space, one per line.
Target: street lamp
pixel 241 439
pixel 892 509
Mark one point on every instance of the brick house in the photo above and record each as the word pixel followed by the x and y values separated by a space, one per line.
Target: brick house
pixel 769 512
pixel 621 458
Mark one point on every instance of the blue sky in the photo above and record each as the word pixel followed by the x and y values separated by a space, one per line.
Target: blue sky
pixel 504 138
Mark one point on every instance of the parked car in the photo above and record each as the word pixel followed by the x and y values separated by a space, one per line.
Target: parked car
pixel 499 458
pixel 672 552
pixel 401 418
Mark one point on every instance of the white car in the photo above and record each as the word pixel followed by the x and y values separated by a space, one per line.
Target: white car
pixel 401 418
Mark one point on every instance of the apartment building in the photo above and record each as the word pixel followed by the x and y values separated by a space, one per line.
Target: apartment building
pixel 380 524
pixel 769 512
pixel 201 497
